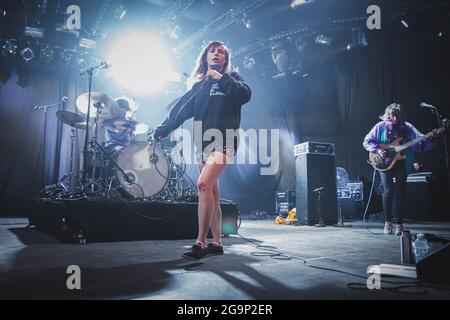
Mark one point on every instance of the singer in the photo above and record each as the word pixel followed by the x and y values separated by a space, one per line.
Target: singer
pixel 215 96
pixel 393 126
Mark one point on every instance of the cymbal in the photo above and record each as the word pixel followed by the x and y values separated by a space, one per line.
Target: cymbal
pixel 107 108
pixel 82 125
pixel 70 118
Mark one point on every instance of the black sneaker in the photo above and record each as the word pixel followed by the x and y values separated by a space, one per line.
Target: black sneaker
pixel 212 250
pixel 194 253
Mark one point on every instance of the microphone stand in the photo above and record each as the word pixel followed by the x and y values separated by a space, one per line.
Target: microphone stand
pixel 443 122
pixel 45 108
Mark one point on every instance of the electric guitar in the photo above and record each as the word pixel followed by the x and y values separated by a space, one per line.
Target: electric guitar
pixel 392 152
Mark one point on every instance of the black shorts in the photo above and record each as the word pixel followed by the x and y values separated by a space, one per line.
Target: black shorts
pixel 208 147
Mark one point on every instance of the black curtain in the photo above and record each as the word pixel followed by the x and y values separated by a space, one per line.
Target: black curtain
pixel 26 163
pixel 339 102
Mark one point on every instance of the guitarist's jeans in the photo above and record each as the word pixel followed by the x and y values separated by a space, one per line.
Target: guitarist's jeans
pixel 399 172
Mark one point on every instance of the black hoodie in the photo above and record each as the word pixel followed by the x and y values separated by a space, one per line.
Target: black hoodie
pixel 216 103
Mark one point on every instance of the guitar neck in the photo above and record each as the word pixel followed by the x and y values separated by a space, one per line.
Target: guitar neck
pixel 413 142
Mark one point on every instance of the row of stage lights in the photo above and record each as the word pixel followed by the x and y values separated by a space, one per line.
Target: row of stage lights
pixel 45 54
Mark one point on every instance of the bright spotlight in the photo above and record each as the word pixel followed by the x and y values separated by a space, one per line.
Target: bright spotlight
pixel 297 3
pixel 139 62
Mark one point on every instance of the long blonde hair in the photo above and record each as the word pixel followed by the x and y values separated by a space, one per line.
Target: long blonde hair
pixel 201 65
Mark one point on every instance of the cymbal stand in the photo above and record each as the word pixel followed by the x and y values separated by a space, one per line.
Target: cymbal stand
pixel 94 153
pixel 90 73
pixel 70 175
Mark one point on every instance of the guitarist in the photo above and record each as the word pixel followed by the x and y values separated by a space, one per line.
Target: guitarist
pixel 393 126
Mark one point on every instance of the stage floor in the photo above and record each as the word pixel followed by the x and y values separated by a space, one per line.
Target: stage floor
pixel 33 265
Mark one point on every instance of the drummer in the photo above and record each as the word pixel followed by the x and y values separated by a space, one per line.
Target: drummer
pixel 119 130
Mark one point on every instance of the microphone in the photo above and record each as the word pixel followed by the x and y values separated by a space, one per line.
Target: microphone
pixel 215 67
pixel 426 105
pixel 63 100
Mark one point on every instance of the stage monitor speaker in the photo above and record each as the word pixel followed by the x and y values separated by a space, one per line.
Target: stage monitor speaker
pixel 436 266
pixel 313 171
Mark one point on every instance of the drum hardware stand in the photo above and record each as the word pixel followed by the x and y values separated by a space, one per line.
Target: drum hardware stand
pixel 90 74
pixel 45 108
pixel 70 175
pixel 94 154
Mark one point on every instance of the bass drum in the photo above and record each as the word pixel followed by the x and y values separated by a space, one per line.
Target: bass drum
pixel 147 168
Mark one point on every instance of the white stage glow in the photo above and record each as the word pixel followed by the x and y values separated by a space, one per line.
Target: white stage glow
pixel 139 62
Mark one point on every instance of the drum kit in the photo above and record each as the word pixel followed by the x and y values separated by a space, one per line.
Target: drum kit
pixel 140 169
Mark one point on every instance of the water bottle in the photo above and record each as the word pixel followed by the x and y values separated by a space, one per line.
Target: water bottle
pixel 420 246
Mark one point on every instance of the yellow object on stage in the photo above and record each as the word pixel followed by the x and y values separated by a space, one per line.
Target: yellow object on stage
pixel 291 218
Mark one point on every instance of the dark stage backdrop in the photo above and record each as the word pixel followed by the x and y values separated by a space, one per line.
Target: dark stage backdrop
pixel 25 164
pixel 339 102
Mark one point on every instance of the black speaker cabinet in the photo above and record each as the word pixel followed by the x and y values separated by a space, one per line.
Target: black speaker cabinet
pixel 348 207
pixel 419 201
pixel 436 266
pixel 313 171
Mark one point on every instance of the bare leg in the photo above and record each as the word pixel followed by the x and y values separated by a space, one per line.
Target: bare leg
pixel 209 213
pixel 216 220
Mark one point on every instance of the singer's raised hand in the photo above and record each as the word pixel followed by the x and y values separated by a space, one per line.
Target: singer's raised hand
pixel 213 74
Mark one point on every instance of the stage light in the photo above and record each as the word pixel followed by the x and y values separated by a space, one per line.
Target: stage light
pixel 249 63
pixel 88 43
pixel 27 54
pixel 66 56
pixel 120 12
pixel 34 32
pixel 46 54
pixel 248 23
pixel 300 45
pixel 297 3
pixel 139 62
pixel 281 59
pixel 8 49
pixel 82 64
pixel 174 32
pixel 323 39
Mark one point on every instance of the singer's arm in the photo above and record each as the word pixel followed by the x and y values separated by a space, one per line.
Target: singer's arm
pixel 234 86
pixel 180 112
